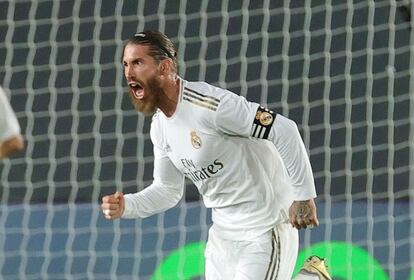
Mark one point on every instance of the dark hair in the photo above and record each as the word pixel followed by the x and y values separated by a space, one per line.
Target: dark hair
pixel 161 47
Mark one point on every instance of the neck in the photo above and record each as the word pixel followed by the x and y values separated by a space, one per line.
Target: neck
pixel 171 90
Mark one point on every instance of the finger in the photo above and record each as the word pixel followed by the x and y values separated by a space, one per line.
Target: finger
pixel 311 223
pixel 107 214
pixel 105 206
pixel 302 222
pixel 297 223
pixel 293 222
pixel 313 220
pixel 118 195
pixel 111 214
pixel 296 220
pixel 111 211
pixel 316 221
pixel 110 199
pixel 292 218
pixel 110 206
pixel 106 199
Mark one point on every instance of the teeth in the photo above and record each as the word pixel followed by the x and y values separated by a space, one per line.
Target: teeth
pixel 134 84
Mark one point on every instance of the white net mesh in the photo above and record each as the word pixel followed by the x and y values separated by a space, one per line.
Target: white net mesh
pixel 341 70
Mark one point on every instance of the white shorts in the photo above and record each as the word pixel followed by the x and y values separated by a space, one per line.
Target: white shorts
pixel 271 256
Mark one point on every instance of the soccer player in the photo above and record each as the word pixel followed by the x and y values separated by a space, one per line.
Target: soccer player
pixel 248 163
pixel 11 140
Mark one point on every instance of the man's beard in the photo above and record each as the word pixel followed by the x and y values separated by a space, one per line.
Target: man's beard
pixel 149 104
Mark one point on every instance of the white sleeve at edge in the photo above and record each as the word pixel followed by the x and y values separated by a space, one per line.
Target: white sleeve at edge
pixel 9 125
pixel 286 137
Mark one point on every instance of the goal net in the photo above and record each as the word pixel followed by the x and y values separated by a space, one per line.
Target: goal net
pixel 341 69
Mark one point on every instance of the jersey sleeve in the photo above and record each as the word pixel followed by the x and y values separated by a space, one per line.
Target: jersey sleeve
pixel 165 191
pixel 239 117
pixel 9 126
pixel 286 137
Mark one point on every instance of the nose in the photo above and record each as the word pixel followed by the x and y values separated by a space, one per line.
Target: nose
pixel 128 72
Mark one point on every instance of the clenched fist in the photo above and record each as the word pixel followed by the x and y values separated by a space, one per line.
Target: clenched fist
pixel 113 205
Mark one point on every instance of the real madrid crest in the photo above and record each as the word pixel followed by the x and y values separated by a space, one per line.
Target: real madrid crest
pixel 195 140
pixel 262 123
pixel 265 118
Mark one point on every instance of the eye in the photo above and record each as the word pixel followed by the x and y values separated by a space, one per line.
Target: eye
pixel 138 62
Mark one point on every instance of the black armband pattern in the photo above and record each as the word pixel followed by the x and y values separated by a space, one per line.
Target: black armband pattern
pixel 262 123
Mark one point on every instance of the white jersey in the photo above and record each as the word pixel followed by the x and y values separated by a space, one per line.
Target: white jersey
pixel 248 163
pixel 9 126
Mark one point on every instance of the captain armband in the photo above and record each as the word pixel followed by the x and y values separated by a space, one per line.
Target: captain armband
pixel 262 123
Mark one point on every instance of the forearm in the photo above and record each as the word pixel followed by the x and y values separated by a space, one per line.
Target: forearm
pixel 288 142
pixel 154 199
pixel 11 146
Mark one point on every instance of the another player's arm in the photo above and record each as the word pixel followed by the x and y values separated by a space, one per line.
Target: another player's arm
pixel 11 140
pixel 239 117
pixel 11 145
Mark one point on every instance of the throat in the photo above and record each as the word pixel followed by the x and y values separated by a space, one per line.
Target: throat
pixel 169 107
pixel 169 101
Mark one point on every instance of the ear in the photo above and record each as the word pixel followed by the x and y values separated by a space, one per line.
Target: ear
pixel 165 66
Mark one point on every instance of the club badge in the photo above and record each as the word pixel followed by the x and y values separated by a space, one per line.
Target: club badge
pixel 265 118
pixel 195 140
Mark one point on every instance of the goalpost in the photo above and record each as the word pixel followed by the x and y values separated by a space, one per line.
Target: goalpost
pixel 341 69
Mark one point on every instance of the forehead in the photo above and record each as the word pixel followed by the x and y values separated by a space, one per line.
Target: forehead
pixel 134 51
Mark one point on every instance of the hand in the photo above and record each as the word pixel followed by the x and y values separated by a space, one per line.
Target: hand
pixel 302 214
pixel 11 146
pixel 113 205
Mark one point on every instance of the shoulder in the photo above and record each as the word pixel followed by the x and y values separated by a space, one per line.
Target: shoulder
pixel 201 87
pixel 156 123
pixel 156 128
pixel 205 95
pixel 156 120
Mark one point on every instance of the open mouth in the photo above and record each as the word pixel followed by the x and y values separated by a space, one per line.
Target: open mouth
pixel 137 89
